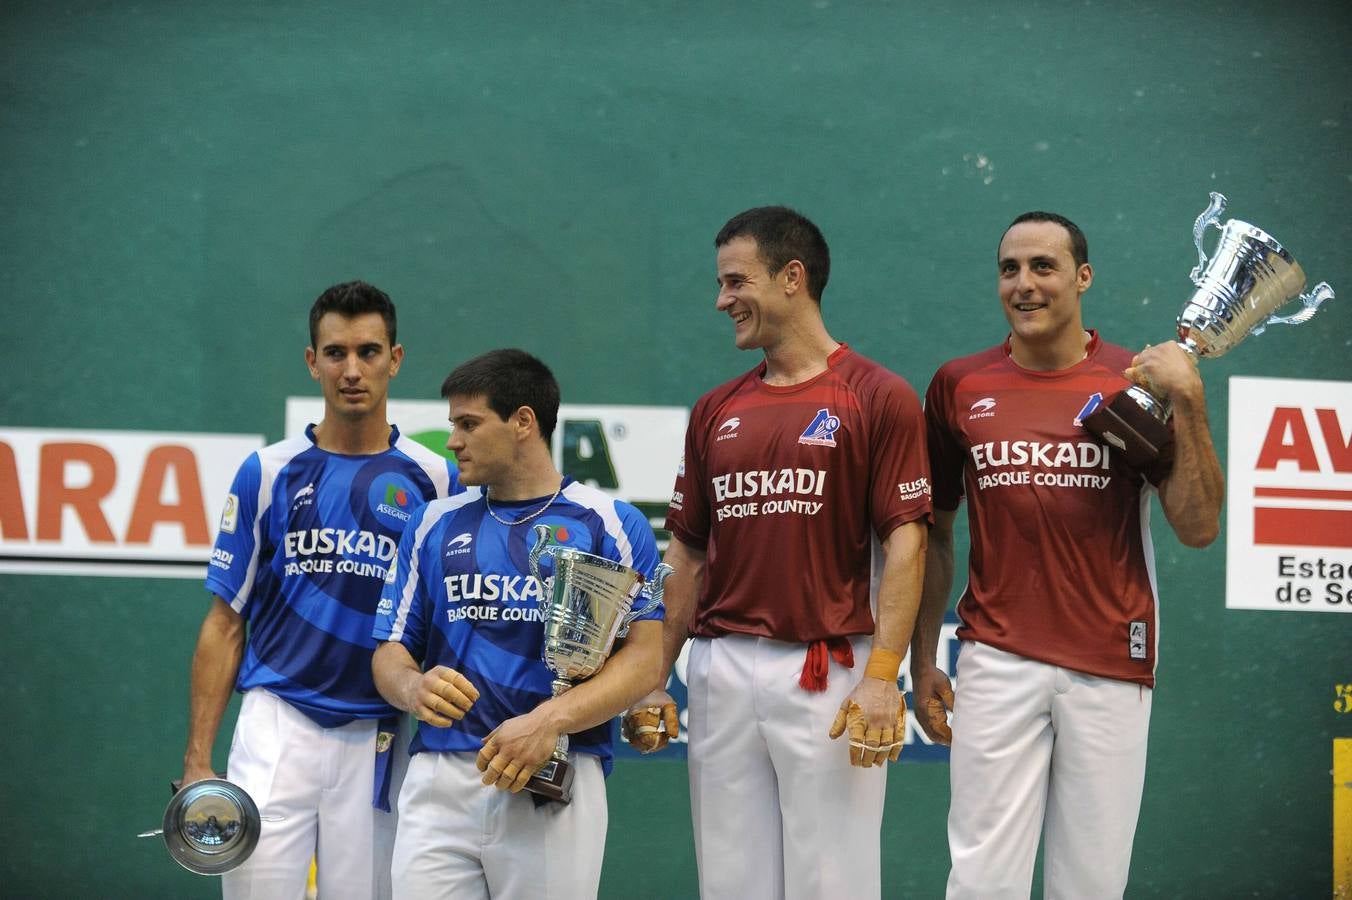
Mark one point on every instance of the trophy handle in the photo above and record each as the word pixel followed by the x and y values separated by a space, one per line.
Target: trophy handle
pixel 654 589
pixel 1312 300
pixel 542 536
pixel 1209 216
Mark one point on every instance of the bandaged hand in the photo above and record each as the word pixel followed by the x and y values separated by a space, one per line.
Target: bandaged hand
pixel 874 715
pixel 442 696
pixel 869 745
pixel 651 723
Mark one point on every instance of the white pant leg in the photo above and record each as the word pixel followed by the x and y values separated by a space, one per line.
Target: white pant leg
pixel 1094 797
pixel 734 795
pixel 999 765
pixel 548 852
pixel 274 755
pixel 439 840
pixel 313 787
pixel 832 812
pixel 355 838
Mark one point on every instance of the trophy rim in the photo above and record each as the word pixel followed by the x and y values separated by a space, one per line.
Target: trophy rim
pixel 191 856
pixel 1238 227
pixel 572 554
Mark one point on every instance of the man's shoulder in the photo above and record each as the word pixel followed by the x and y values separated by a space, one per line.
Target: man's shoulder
pixel 854 367
pixel 1112 355
pixel 960 367
pixel 713 398
pixel 419 453
pixel 597 500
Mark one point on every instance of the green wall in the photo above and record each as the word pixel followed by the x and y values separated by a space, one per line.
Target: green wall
pixel 180 180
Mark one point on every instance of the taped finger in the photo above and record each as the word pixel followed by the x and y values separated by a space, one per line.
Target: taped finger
pixel 857 742
pixel 872 740
pixel 462 685
pixel 485 756
pixel 519 779
pixel 672 719
pixel 885 746
pixel 838 726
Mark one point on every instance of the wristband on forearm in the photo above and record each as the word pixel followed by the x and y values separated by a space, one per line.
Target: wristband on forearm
pixel 883 664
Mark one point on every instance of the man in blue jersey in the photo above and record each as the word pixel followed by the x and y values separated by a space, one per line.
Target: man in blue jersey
pixel 464 633
pixel 308 535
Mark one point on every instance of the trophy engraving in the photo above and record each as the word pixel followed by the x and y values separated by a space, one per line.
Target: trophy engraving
pixel 587 604
pixel 1238 292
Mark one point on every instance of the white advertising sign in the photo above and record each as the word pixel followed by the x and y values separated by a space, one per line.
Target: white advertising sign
pixel 630 452
pixel 140 503
pixel 1289 503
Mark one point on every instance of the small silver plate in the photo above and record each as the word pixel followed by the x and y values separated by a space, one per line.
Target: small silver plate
pixel 211 826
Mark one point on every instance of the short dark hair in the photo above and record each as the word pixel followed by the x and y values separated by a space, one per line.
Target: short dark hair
pixel 1079 247
pixel 508 380
pixel 352 299
pixel 782 235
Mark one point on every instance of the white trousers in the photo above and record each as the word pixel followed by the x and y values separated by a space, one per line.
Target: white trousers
pixel 1034 741
pixel 778 810
pixel 459 839
pixel 313 788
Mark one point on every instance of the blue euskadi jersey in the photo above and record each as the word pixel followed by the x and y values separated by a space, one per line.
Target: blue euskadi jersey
pixel 462 596
pixel 306 539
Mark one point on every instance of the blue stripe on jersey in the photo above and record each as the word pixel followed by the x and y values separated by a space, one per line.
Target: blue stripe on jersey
pixel 462 596
pixel 314 537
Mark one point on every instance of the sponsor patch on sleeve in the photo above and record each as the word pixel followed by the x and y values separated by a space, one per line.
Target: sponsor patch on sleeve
pixel 230 515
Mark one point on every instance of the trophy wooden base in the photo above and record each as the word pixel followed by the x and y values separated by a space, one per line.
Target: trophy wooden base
pixel 1130 427
pixel 553 782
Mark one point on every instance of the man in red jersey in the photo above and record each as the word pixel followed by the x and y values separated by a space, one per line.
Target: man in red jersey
pixel 804 483
pixel 1059 625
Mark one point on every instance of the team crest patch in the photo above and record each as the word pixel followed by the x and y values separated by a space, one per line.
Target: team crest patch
pixel 1136 638
pixel 384 741
pixel 822 430
pixel 1089 406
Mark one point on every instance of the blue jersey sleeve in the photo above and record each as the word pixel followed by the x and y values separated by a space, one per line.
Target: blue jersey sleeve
pixel 640 535
pixel 401 614
pixel 231 570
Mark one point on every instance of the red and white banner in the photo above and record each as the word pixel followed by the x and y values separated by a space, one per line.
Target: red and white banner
pixel 84 502
pixel 1289 504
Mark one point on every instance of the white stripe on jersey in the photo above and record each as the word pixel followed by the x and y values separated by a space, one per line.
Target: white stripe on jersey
pixel 271 460
pixel 433 513
pixel 436 467
pixel 1148 553
pixel 604 506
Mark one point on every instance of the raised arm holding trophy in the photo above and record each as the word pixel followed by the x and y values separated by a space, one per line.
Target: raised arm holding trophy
pixel 1239 290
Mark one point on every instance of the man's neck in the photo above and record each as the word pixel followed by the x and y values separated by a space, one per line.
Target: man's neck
pixel 1052 356
pixel 800 357
pixel 365 436
pixel 535 478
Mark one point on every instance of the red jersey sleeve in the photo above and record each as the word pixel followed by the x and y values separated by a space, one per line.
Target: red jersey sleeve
pixel 688 512
pixel 946 455
pixel 900 488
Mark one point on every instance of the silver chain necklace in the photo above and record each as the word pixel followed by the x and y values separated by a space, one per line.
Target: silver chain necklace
pixel 522 521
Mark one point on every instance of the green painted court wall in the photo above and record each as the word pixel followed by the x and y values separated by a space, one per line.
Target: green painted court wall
pixel 180 180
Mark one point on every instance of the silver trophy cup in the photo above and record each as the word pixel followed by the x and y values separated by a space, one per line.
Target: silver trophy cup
pixel 210 826
pixel 587 603
pixel 1248 278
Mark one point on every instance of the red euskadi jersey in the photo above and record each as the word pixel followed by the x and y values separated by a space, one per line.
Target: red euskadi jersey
pixel 1061 567
pixel 785 489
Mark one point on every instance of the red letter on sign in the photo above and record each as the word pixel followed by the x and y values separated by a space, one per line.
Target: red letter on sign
pixel 149 510
pixel 1275 449
pixel 54 494
pixel 1340 451
pixel 13 525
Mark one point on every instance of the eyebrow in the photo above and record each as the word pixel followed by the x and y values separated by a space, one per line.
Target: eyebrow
pixel 1041 257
